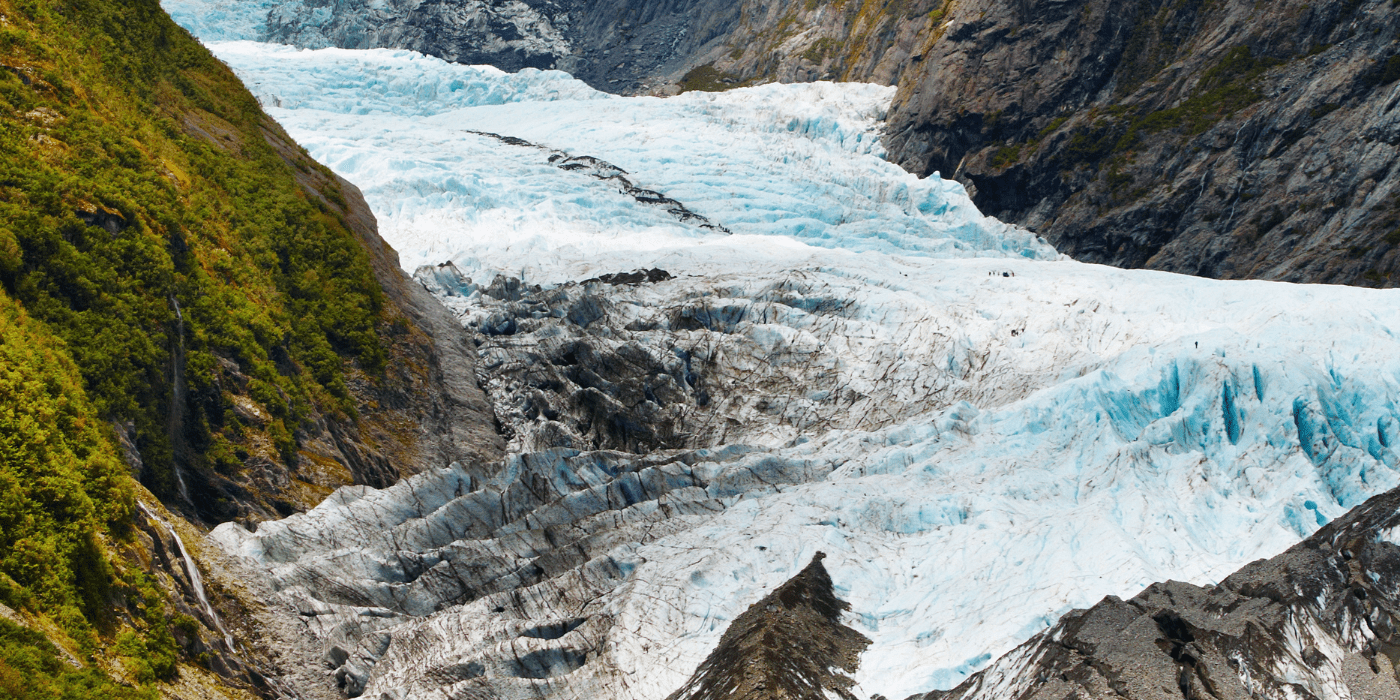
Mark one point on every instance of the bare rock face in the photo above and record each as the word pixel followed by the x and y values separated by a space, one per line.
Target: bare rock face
pixel 1321 620
pixel 1224 139
pixel 632 46
pixel 790 644
pixel 615 45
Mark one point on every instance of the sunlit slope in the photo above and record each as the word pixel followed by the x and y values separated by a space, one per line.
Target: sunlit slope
pixel 186 302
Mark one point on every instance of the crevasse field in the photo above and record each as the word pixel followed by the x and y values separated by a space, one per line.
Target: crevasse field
pixel 1048 432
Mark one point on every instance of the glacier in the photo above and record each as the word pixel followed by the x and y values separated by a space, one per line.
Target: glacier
pixel 980 434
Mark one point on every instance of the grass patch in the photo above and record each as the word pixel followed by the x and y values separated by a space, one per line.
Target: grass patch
pixel 707 78
pixel 1006 155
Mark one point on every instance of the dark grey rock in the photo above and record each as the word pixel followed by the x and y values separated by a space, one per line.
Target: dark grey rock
pixel 790 644
pixel 1321 620
pixel 631 46
pixel 1224 139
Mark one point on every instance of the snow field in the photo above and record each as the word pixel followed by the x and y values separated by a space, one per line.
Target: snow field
pixel 957 535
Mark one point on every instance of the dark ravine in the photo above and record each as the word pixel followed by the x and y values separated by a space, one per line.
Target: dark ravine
pixel 1231 139
pixel 1321 620
pixel 791 644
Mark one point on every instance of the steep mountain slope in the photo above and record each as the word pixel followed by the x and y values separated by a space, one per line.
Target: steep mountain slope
pixel 220 291
pixel 187 300
pixel 622 46
pixel 1321 620
pixel 790 644
pixel 1226 139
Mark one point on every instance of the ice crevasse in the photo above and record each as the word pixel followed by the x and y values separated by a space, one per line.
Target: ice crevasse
pixel 1028 435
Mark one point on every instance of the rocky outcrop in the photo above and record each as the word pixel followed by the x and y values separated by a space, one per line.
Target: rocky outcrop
pixel 642 361
pixel 510 34
pixel 616 45
pixel 790 644
pixel 1321 620
pixel 630 46
pixel 1223 139
pixel 843 40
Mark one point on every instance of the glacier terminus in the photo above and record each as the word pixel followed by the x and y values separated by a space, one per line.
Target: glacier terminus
pixel 722 334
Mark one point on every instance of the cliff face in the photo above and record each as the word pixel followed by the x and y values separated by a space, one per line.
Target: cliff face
pixel 1226 139
pixel 630 46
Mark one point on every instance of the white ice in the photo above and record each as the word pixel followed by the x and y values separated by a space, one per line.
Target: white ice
pixel 795 161
pixel 1173 427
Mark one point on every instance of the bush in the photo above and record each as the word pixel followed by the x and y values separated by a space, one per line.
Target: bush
pixel 158 230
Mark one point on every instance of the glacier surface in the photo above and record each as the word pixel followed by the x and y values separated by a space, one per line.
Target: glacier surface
pixel 1000 434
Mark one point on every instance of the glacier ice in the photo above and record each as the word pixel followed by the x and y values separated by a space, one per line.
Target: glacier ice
pixel 798 161
pixel 1091 457
pixel 221 20
pixel 1021 434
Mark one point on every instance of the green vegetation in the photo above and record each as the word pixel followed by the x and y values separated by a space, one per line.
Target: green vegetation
pixel 145 219
pixel 60 482
pixel 1229 87
pixel 1226 88
pixel 1006 155
pixel 32 669
pixel 820 49
pixel 63 493
pixel 1053 126
pixel 707 78
pixel 154 245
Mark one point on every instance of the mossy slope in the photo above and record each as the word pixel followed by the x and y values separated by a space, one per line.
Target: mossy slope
pixel 199 266
pixel 189 301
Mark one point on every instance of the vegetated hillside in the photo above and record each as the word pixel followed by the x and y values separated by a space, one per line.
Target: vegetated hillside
pixel 62 488
pixel 1221 138
pixel 97 597
pixel 219 291
pixel 187 300
pixel 629 46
